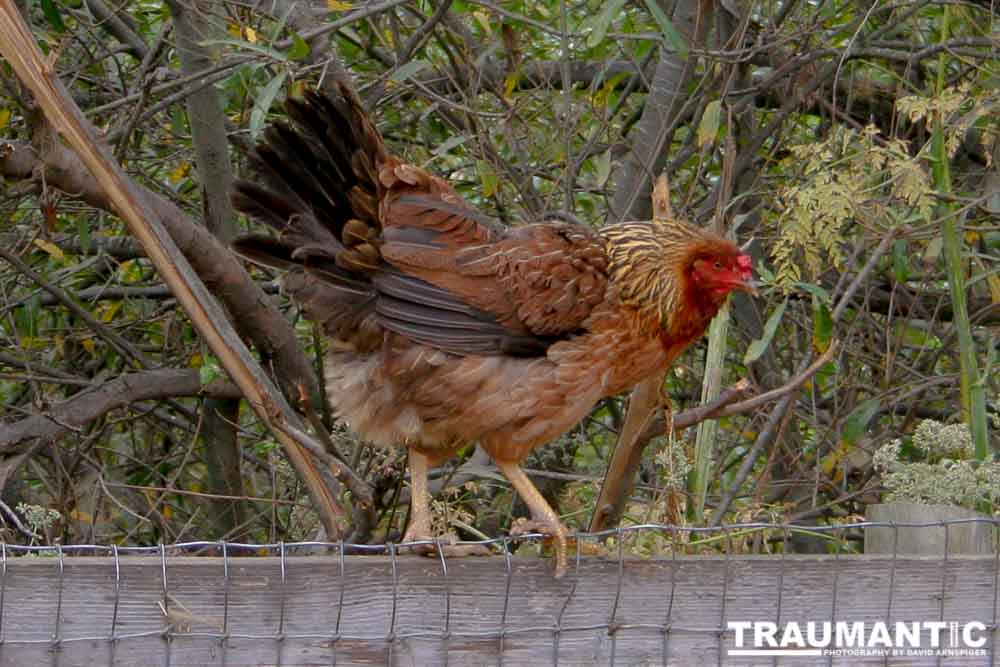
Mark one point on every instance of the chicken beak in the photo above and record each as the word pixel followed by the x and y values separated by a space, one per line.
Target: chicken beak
pixel 751 287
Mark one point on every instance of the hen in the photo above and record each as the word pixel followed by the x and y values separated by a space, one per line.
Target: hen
pixel 446 328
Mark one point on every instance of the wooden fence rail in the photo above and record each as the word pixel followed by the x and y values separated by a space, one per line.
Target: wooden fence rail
pixel 374 610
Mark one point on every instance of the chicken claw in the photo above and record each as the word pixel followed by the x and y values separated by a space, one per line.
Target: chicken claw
pixel 444 547
pixel 556 531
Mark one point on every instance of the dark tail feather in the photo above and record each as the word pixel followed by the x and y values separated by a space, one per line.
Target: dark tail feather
pixel 316 178
pixel 265 250
pixel 315 182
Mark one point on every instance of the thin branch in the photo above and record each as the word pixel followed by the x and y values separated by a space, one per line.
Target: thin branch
pixel 112 23
pixel 209 496
pixel 88 405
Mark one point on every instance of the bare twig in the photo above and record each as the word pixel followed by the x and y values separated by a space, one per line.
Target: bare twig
pixel 200 494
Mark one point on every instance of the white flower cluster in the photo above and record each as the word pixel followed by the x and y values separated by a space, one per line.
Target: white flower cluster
pixel 37 517
pixel 937 440
pixel 948 475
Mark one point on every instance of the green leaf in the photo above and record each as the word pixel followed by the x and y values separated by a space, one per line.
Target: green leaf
pixel 27 317
pixel 263 104
pixel 822 325
pixel 83 233
pixel 602 22
pixel 603 164
pixel 709 125
pixel 488 177
pixel 209 370
pixel 275 31
pixel 757 347
pixel 300 48
pixel 900 261
pixel 675 39
pixel 407 70
pixel 817 291
pixel 766 275
pixel 52 15
pixel 856 423
pixel 241 45
pixel 453 142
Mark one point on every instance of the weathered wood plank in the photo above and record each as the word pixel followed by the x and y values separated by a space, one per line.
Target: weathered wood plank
pixel 927 540
pixel 663 611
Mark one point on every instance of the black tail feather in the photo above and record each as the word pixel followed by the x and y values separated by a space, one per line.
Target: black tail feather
pixel 317 174
pixel 314 182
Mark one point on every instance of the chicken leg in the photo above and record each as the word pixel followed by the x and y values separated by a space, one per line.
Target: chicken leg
pixel 420 511
pixel 545 519
pixel 420 515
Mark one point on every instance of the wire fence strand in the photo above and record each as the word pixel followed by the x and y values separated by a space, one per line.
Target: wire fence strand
pixel 332 601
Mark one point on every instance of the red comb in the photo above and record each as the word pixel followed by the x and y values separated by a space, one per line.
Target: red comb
pixel 745 261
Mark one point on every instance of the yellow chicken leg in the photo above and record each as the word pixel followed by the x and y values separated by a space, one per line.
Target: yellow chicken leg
pixel 420 515
pixel 545 519
pixel 420 511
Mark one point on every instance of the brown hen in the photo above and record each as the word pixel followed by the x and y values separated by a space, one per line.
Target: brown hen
pixel 446 328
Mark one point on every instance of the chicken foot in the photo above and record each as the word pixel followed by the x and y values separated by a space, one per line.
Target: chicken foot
pixel 544 518
pixel 420 516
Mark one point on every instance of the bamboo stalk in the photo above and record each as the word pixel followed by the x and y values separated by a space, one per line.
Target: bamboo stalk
pixel 704 444
pixel 972 386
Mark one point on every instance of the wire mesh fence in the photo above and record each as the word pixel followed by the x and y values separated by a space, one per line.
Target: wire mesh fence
pixel 322 603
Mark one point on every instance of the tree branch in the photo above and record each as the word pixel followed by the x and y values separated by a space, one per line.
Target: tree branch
pixel 19 47
pixel 88 405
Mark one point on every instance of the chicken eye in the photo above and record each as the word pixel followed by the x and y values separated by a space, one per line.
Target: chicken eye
pixel 718 264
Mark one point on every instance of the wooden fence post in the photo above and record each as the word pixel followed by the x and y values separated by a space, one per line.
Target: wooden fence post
pixel 975 537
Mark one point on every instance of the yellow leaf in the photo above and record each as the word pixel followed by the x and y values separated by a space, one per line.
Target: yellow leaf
pixel 709 125
pixel 180 172
pixel 338 5
pixel 602 96
pixel 196 361
pixel 88 345
pixel 509 84
pixel 4 118
pixel 484 20
pixel 167 512
pixel 250 34
pixel 110 311
pixel 50 248
pixel 994 284
pixel 299 89
pixel 233 29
